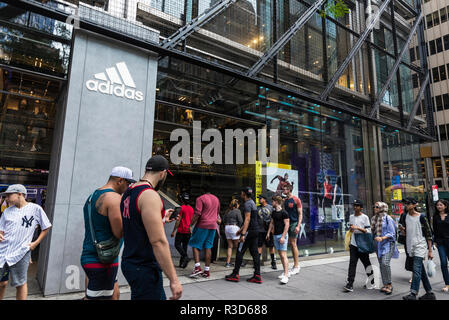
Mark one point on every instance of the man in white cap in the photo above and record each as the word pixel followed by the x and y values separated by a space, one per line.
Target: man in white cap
pixel 101 278
pixel 17 226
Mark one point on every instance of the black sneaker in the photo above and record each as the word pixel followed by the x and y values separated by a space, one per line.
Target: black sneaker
pixel 185 263
pixel 428 296
pixel 348 288
pixel 273 265
pixel 232 277
pixel 410 296
pixel 255 279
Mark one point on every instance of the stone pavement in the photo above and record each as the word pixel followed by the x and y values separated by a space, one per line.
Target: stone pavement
pixel 319 279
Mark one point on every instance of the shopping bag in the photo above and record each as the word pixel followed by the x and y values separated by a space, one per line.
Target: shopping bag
pixel 365 242
pixel 347 239
pixel 431 268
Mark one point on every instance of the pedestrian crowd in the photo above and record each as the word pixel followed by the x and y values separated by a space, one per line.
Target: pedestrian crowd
pixel 129 216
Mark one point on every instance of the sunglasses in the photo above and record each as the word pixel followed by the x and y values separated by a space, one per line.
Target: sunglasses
pixel 377 207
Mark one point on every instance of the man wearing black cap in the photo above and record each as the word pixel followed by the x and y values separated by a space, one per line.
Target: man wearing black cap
pixel 146 249
pixel 249 234
pixel 265 211
pixel 359 223
pixel 182 229
pixel 418 243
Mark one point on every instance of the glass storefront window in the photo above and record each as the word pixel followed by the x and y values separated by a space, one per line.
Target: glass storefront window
pixel 320 149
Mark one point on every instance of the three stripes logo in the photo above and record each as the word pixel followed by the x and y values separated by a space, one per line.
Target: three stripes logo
pixel 116 81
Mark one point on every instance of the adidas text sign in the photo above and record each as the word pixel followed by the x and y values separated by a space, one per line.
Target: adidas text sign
pixel 120 84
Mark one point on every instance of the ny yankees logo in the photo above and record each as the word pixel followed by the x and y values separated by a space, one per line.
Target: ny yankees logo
pixel 26 221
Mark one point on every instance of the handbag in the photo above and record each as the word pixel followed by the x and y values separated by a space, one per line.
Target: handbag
pixel 347 240
pixel 107 250
pixel 365 242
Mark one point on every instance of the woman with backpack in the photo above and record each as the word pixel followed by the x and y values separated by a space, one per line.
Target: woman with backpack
pixel 441 235
pixel 383 228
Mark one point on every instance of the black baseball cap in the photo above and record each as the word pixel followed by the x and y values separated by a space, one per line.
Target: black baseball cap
pixel 157 163
pixel 248 191
pixel 409 200
pixel 262 196
pixel 185 196
pixel 358 203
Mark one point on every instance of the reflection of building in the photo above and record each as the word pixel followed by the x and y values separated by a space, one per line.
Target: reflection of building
pixel 206 77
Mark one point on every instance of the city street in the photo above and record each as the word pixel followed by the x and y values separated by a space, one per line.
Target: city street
pixel 319 279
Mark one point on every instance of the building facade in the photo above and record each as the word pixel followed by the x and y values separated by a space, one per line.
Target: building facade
pixel 437 37
pixel 88 85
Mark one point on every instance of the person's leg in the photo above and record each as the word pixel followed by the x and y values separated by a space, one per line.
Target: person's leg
pixel 417 270
pixel 241 249
pixel 207 257
pixel 284 261
pixel 443 262
pixel 116 294
pixel 364 257
pixel 3 285
pixel 178 244
pixel 425 279
pixel 229 251
pixel 196 255
pixel 22 292
pixel 383 272
pixel 185 242
pixel 214 250
pixel 253 238
pixel 353 259
pixel 292 239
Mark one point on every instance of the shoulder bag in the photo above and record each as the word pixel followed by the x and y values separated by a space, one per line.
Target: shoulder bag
pixel 107 250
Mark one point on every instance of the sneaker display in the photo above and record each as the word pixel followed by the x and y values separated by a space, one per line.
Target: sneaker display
pixel 205 274
pixel 284 279
pixel 428 296
pixel 233 277
pixel 255 279
pixel 196 271
pixel 410 296
pixel 295 270
pixel 273 265
pixel 348 288
pixel 282 274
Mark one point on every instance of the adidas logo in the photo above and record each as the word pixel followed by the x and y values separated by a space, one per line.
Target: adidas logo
pixel 120 84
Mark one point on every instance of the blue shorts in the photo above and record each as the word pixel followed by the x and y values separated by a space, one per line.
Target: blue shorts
pixel 102 278
pixel 202 238
pixel 145 281
pixel 5 275
pixel 278 245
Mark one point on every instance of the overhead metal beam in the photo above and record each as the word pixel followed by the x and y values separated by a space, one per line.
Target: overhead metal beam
pixel 183 32
pixel 115 35
pixel 395 67
pixel 282 41
pixel 325 94
pixel 409 7
pixel 417 101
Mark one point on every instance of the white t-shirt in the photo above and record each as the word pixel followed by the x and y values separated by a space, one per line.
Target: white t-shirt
pixel 416 243
pixel 361 221
pixel 19 226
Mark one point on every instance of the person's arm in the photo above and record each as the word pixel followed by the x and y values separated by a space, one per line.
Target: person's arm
pixel 112 206
pixel 178 222
pixel 239 219
pixel 2 227
pixel 284 233
pixel 193 222
pixel 2 236
pixel 244 228
pixel 271 226
pixel 150 206
pixel 299 206
pixel 39 239
pixel 44 224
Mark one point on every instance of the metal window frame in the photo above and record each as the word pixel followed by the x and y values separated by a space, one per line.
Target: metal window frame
pixel 94 27
pixel 325 94
pixel 423 88
pixel 395 68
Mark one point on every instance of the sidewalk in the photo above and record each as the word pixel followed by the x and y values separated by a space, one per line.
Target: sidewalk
pixel 319 279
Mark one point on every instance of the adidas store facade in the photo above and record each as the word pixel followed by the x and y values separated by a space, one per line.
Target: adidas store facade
pixel 116 104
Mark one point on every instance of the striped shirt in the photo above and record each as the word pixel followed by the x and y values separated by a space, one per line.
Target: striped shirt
pixel 18 226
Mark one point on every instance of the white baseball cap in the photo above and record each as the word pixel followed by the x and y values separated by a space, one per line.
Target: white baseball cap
pixel 16 188
pixel 123 172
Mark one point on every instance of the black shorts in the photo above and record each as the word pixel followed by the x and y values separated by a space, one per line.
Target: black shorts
pixel 145 281
pixel 102 278
pixel 261 240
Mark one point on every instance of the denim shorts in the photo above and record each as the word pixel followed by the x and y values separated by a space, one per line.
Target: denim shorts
pixel 278 245
pixel 18 272
pixel 202 238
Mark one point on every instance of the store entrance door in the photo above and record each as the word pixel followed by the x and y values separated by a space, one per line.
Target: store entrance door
pixel 28 106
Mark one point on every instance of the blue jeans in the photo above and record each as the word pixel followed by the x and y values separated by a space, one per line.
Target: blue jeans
pixel 443 251
pixel 419 274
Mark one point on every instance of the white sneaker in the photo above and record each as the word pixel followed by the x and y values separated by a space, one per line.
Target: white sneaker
pixel 282 275
pixel 284 279
pixel 294 271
